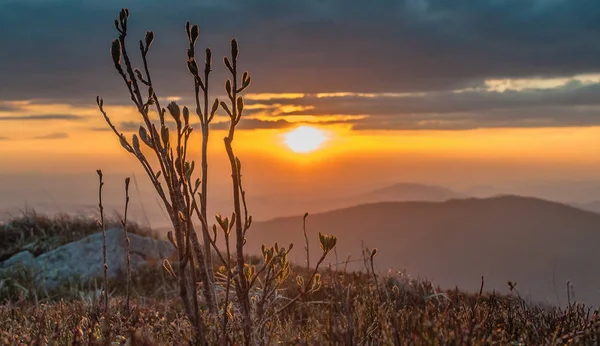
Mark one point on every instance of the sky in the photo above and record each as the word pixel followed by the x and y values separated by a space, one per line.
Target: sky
pixel 454 92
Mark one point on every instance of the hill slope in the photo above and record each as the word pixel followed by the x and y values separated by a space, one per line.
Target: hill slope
pixel 538 244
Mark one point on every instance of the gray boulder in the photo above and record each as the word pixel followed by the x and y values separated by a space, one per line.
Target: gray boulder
pixel 83 259
pixel 23 259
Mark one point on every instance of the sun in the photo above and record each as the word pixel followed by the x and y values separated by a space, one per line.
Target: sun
pixel 305 139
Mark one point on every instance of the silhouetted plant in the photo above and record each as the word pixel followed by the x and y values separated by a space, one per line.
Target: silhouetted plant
pixel 206 116
pixel 175 169
pixel 175 173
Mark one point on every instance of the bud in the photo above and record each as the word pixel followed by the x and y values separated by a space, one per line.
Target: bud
pixel 234 49
pixel 164 134
pixel 144 136
pixel 224 105
pixel 149 39
pixel 186 115
pixel 136 144
pixel 115 51
pixel 138 73
pixel 240 104
pixel 215 106
pixel 228 87
pixel 245 80
pixel 175 111
pixel 193 67
pixel 194 34
pixel 228 64
pixel 123 14
pixel 373 253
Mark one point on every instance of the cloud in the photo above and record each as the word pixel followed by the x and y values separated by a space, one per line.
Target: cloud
pixel 273 96
pixel 254 124
pixel 302 46
pixel 40 117
pixel 404 63
pixel 4 107
pixel 55 135
pixel 101 129
pixel 500 118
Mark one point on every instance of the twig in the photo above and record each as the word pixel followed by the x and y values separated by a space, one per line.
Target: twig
pixel 306 243
pixel 127 246
pixel 103 227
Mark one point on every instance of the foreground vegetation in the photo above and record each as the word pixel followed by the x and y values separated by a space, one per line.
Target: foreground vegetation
pixel 349 309
pixel 357 308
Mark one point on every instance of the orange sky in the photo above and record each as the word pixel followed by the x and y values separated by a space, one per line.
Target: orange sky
pixel 350 155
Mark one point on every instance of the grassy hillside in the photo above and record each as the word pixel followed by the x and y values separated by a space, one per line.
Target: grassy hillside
pixel 536 243
pixel 349 308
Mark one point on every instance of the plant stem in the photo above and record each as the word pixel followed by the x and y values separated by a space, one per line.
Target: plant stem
pixel 103 226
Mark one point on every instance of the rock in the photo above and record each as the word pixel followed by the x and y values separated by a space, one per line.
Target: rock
pixel 24 259
pixel 83 259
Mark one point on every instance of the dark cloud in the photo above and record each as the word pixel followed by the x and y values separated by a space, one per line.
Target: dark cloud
pixel 448 102
pixel 101 129
pixel 300 46
pixel 254 124
pixel 500 118
pixel 55 135
pixel 40 117
pixel 59 51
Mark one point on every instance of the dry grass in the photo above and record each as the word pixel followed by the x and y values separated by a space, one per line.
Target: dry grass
pixel 347 310
pixel 350 308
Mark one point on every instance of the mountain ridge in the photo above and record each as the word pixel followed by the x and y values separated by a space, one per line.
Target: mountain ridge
pixel 535 242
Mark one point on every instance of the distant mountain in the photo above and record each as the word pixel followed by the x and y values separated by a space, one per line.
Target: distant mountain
pixel 537 243
pixel 592 206
pixel 409 192
pixel 269 206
